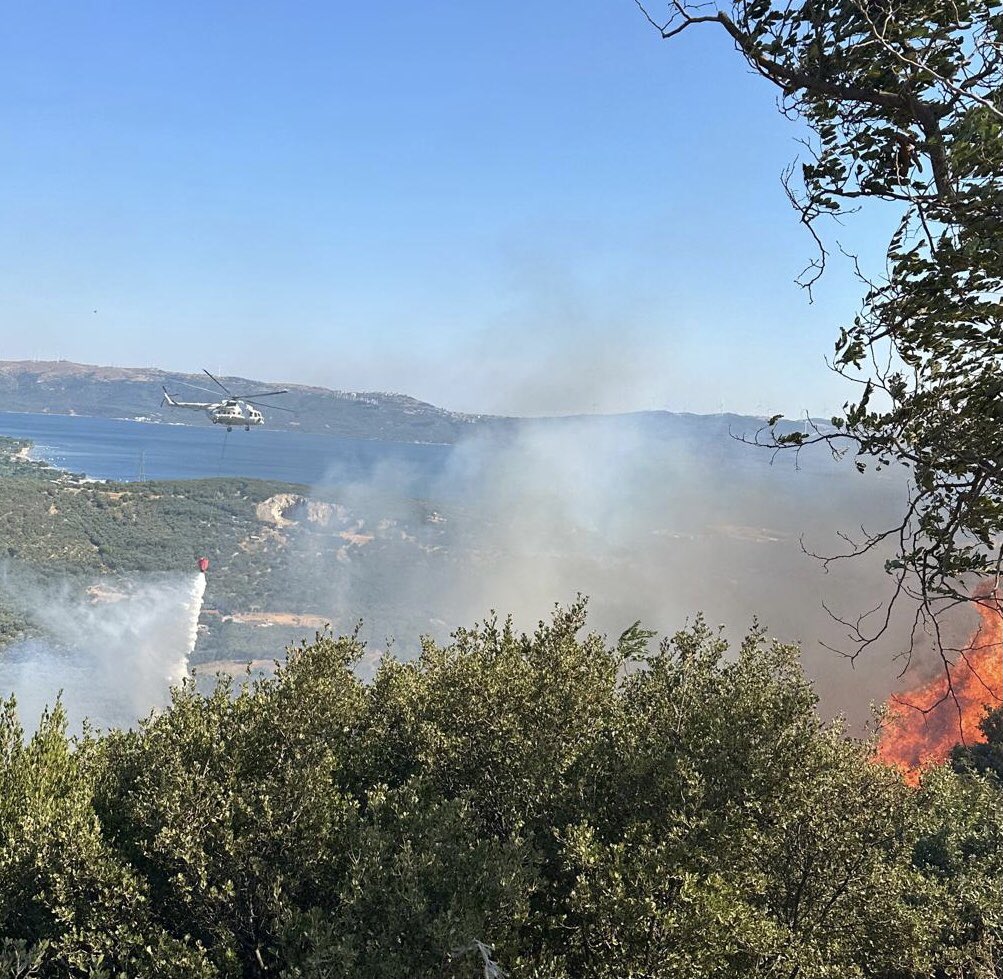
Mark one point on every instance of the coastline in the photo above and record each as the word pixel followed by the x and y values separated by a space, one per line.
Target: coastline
pixel 17 459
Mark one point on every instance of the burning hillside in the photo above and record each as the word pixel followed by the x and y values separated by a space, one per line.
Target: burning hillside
pixel 923 725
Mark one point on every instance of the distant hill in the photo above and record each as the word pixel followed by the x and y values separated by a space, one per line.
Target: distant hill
pixel 62 387
pixel 65 388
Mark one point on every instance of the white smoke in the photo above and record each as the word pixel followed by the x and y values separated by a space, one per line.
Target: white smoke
pixel 113 655
pixel 655 518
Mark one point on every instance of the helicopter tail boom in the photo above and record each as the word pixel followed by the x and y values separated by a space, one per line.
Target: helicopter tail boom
pixel 169 399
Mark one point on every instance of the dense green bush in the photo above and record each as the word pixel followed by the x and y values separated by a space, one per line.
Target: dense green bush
pixel 584 809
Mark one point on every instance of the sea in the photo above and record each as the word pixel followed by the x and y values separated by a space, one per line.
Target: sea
pixel 125 450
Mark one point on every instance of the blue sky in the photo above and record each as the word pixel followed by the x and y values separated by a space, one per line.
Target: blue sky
pixel 495 207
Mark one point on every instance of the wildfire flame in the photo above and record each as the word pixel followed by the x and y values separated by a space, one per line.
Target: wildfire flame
pixel 923 725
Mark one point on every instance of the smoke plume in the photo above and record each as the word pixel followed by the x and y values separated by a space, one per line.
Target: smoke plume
pixel 654 517
pixel 112 651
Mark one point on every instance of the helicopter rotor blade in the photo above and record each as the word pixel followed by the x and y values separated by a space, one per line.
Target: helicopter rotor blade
pixel 218 383
pixel 270 407
pixel 196 387
pixel 260 394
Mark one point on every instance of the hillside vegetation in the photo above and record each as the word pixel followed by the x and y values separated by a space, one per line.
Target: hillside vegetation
pixel 263 567
pixel 581 809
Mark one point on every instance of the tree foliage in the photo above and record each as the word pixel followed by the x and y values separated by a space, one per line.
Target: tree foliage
pixel 904 102
pixel 985 757
pixel 549 805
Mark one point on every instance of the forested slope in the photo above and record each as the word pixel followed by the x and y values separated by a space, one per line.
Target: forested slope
pixel 580 809
pixel 264 578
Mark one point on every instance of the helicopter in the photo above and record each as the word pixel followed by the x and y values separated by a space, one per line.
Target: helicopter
pixel 234 411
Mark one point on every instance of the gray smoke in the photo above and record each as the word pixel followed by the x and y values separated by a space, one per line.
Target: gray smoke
pixel 652 520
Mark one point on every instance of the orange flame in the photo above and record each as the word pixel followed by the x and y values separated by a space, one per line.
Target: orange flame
pixel 923 725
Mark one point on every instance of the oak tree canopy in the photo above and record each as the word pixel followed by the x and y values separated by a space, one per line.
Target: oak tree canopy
pixel 903 100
